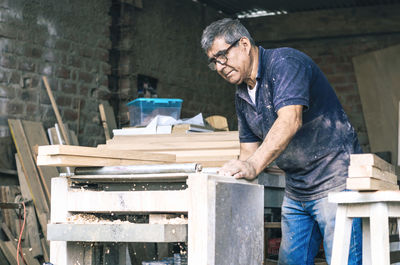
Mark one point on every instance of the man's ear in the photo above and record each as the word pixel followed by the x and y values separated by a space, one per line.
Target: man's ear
pixel 245 42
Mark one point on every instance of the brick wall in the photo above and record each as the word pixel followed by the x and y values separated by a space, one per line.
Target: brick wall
pixel 66 40
pixel 162 40
pixel 334 57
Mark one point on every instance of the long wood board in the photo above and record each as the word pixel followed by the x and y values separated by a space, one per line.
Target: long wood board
pixel 170 145
pixel 190 137
pixel 36 136
pixel 30 171
pixel 86 161
pixel 378 79
pixel 103 153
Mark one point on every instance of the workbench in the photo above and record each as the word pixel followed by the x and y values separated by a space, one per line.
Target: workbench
pixel 224 227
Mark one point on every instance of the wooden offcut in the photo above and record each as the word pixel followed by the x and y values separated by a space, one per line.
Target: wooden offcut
pixel 369 184
pixel 371 172
pixel 371 160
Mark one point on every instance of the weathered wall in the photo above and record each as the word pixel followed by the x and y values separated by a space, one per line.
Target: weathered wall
pixel 66 40
pixel 163 41
pixel 332 38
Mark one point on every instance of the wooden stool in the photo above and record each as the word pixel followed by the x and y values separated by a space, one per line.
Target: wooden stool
pixel 374 208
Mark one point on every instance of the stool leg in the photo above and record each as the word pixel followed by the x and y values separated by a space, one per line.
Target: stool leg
pixel 380 254
pixel 366 242
pixel 341 237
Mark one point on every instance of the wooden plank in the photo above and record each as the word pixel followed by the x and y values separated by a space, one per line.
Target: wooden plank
pixel 85 151
pixel 204 155
pixel 371 172
pixel 326 23
pixel 57 113
pixel 378 82
pixel 190 137
pixel 169 145
pixel 117 232
pixel 108 119
pixel 31 222
pixel 369 184
pixel 36 135
pixel 30 171
pixel 371 160
pixel 129 202
pixel 85 161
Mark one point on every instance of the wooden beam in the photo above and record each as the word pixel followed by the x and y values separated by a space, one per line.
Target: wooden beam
pixel 85 151
pixel 342 22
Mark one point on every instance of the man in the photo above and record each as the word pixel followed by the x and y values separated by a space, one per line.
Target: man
pixel 288 113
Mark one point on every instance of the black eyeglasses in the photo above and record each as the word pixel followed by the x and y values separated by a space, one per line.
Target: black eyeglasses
pixel 220 57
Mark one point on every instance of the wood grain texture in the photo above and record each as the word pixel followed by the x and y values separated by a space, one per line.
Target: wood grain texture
pixel 371 172
pixel 378 82
pixel 369 184
pixel 371 160
pixel 85 151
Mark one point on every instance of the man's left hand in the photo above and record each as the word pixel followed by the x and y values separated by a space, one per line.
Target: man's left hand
pixel 238 169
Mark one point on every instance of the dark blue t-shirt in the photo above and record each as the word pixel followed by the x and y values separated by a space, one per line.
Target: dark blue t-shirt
pixel 317 158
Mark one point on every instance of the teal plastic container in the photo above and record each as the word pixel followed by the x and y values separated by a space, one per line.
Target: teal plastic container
pixel 143 110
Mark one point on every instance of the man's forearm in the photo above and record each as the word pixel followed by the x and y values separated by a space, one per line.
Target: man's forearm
pixel 277 139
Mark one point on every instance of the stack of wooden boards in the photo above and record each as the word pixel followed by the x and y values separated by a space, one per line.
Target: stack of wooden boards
pixel 209 149
pixel 369 172
pixel 34 188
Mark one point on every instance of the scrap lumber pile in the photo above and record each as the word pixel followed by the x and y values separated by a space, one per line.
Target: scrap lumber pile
pixel 369 172
pixel 209 149
pixel 33 192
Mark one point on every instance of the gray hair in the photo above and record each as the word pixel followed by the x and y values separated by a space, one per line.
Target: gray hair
pixel 230 29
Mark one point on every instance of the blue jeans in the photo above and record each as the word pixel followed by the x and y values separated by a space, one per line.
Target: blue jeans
pixel 305 224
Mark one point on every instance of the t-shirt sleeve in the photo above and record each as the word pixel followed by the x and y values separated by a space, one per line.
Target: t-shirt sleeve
pixel 245 134
pixel 291 80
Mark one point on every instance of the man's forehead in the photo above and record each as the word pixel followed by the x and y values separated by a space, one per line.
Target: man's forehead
pixel 217 45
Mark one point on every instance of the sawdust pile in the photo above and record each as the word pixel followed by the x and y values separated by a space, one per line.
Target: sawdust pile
pixel 92 219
